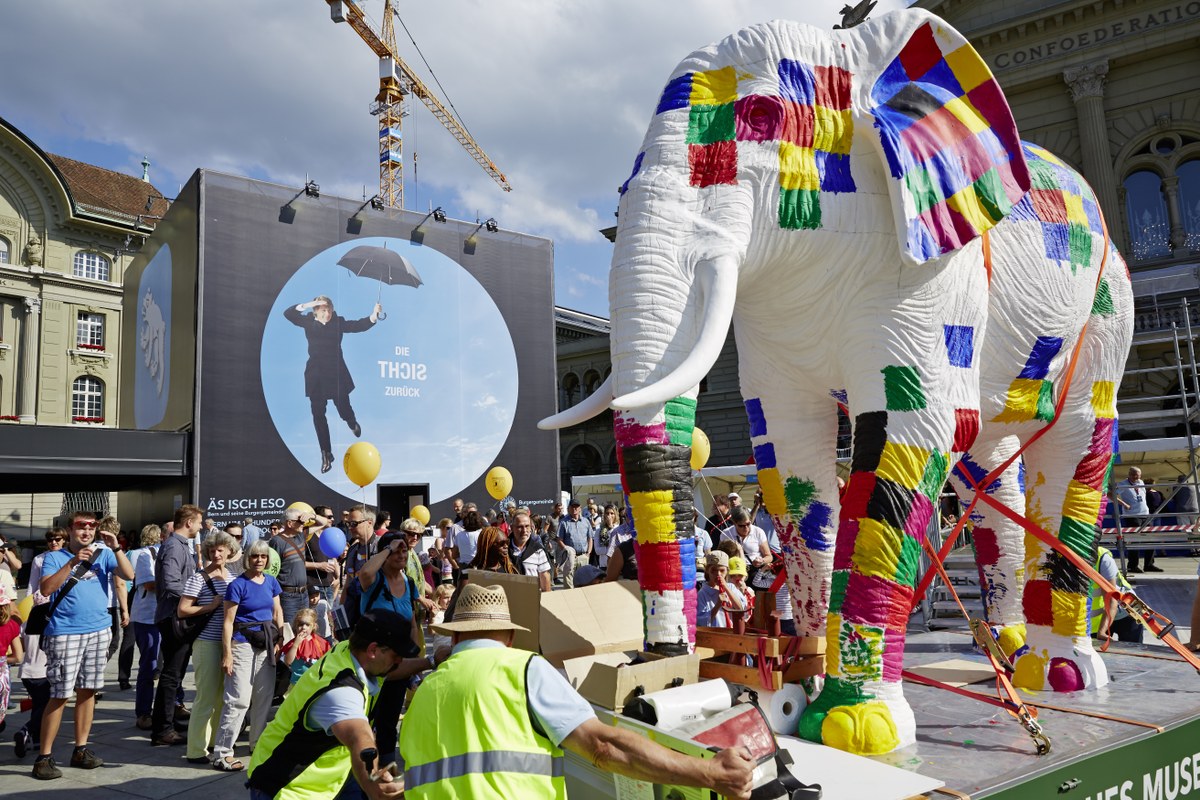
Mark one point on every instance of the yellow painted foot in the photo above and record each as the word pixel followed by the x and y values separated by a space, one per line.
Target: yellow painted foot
pixel 866 729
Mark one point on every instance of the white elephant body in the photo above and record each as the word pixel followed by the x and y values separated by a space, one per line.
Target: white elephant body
pixel 858 205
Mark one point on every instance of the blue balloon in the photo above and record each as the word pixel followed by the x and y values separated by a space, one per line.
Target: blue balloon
pixel 333 542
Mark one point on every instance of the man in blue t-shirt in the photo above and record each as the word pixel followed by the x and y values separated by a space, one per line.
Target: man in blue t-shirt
pixel 77 635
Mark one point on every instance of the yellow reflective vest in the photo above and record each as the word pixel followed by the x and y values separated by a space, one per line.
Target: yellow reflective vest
pixel 468 733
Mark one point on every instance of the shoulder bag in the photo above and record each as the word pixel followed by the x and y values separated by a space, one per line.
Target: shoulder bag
pixel 39 616
pixel 187 629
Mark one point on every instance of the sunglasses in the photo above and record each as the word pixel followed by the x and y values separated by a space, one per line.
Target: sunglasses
pixel 55 539
pixel 83 525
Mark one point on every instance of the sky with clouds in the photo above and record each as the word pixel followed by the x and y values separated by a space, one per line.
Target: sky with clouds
pixel 558 94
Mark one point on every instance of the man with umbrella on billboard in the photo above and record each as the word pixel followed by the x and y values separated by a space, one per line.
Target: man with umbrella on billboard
pixel 326 376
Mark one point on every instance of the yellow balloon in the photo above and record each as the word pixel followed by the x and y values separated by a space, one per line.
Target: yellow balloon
pixel 361 463
pixel 701 449
pixel 24 607
pixel 301 506
pixel 499 482
pixel 420 514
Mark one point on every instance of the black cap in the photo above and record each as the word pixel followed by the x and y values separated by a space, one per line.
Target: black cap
pixel 386 540
pixel 388 629
pixel 574 504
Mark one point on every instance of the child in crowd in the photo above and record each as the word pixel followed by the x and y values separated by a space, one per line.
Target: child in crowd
pixel 718 597
pixel 441 599
pixel 10 645
pixel 306 646
pixel 320 608
pixel 737 578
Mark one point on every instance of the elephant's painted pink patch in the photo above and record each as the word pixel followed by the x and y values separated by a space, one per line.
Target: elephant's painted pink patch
pixel 1065 676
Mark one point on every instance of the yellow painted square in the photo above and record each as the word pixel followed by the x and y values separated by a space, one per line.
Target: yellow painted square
pixel 1081 502
pixel 1075 212
pixel 1069 612
pixel 968 67
pixel 798 168
pixel 833 631
pixel 1021 403
pixel 1034 549
pixel 1103 405
pixel 714 88
pixel 832 130
pixel 903 464
pixel 653 516
pixel 967 115
pixel 771 483
pixel 966 202
pixel 877 549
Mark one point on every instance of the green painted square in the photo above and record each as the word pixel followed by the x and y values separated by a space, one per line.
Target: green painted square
pixel 902 389
pixel 1045 402
pixel 1079 244
pixel 1102 305
pixel 910 559
pixel 708 124
pixel 861 651
pixel 1041 174
pixel 680 416
pixel 799 209
pixel 934 478
pixel 799 494
pixel 1079 536
pixel 837 589
pixel 923 189
pixel 990 191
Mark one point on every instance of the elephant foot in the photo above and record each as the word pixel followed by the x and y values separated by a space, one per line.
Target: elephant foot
pixel 1010 640
pixel 853 718
pixel 1061 663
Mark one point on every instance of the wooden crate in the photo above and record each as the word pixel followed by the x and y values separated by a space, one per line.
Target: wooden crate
pixel 808 661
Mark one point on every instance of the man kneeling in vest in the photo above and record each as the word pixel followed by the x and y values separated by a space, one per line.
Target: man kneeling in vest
pixel 492 721
pixel 320 732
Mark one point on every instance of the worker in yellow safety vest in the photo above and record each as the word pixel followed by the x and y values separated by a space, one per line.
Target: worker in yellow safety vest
pixel 493 721
pixel 1106 615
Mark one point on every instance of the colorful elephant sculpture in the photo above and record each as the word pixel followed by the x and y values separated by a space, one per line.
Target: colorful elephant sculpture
pixel 859 206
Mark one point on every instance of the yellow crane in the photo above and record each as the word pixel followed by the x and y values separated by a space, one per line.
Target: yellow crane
pixel 396 80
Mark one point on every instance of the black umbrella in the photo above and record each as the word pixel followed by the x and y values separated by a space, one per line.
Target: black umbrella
pixel 384 265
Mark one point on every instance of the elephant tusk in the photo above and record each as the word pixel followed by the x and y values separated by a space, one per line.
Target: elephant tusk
pixel 718 292
pixel 595 403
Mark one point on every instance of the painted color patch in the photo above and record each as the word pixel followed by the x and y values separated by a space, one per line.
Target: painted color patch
pixel 800 493
pixel 1021 404
pixel 902 388
pixel 1044 351
pixel 1080 535
pixel 903 464
pixel 799 209
pixel 861 649
pixel 758 421
pixel 1102 305
pixel 890 503
pixel 934 477
pixel 637 167
pixel 677 94
pixel 870 436
pixel 764 455
pixel 772 488
pixel 1036 603
pixel 629 431
pixel 1069 612
pixel 680 416
pixel 877 549
pixel 660 569
pixel 815 527
pixel 713 164
pixel 960 344
pixel 1081 502
pixel 966 429
pixel 715 87
pixel 653 516
pixel 1103 396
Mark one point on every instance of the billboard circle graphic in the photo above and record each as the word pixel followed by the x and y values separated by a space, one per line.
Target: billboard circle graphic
pixel 379 340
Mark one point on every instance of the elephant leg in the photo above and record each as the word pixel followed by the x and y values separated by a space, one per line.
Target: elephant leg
pixel 794 436
pixel 900 459
pixel 998 542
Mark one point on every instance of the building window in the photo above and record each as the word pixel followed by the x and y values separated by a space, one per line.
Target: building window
pixel 89 331
pixel 87 400
pixel 1149 230
pixel 5 249
pixel 91 265
pixel 1189 201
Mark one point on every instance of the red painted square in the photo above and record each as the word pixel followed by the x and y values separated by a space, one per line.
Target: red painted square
pixel 1050 205
pixel 858 493
pixel 758 118
pixel 713 164
pixel 987 547
pixel 1092 469
pixel 966 428
pixel 797 124
pixel 920 52
pixel 1036 603
pixel 833 87
pixel 843 551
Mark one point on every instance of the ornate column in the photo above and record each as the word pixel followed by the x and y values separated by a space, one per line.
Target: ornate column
pixel 1086 84
pixel 30 334
pixel 1174 214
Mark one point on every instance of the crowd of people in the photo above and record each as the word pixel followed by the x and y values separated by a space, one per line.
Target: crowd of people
pixel 251 610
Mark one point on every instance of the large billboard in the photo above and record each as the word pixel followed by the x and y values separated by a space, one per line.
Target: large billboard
pixel 323 322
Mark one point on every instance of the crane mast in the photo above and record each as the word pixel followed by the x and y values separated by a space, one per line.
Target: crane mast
pixel 396 80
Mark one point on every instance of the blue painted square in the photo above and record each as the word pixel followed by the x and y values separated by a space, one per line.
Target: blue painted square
pixel 814 527
pixel 890 81
pixel 678 94
pixel 1044 351
pixel 637 167
pixel 687 558
pixel 941 77
pixel 1093 213
pixel 797 82
pixel 834 169
pixel 1023 210
pixel 960 344
pixel 758 422
pixel 1021 476
pixel 1058 241
pixel 764 455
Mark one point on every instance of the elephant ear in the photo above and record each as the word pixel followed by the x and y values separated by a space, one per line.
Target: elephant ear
pixel 950 142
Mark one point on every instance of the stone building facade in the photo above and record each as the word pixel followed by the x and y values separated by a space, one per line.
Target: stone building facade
pixel 68 230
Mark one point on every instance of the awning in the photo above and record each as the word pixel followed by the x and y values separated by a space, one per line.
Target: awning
pixel 55 458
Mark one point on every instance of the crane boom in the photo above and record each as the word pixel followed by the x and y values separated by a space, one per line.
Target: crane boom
pixel 395 80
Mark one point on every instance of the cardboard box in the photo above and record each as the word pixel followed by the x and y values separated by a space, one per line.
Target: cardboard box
pixel 609 681
pixel 593 633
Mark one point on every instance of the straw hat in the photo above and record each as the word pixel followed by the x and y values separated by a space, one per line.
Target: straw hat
pixel 480 608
